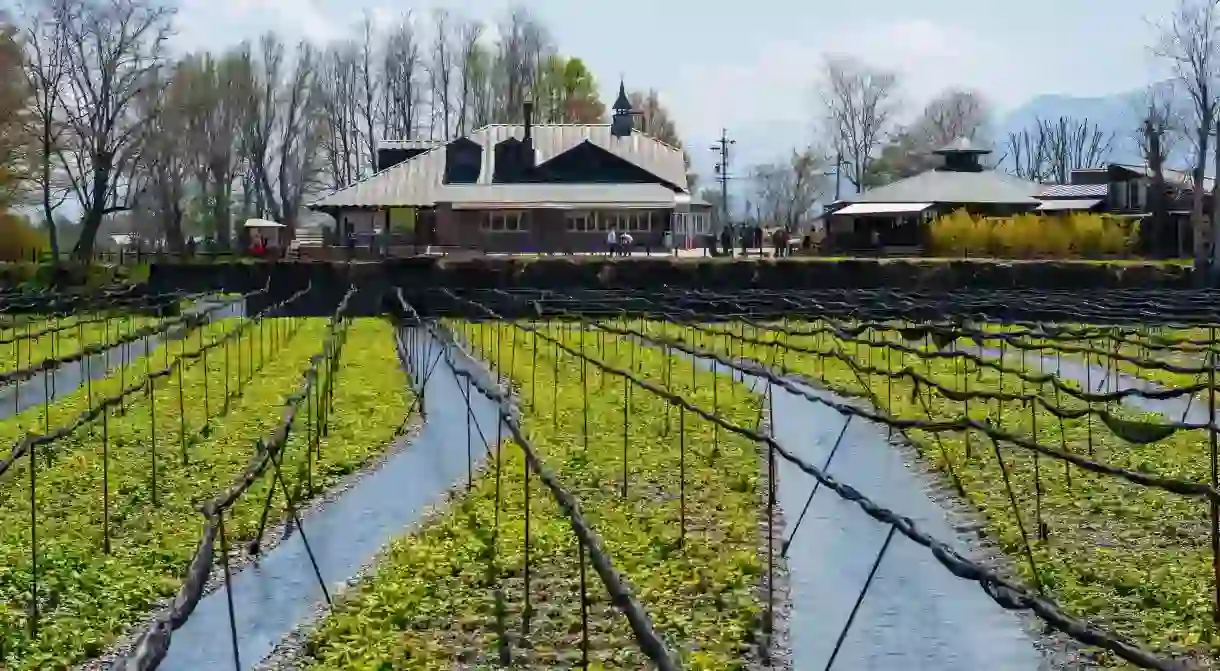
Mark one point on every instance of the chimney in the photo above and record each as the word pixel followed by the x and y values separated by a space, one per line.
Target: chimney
pixel 527 142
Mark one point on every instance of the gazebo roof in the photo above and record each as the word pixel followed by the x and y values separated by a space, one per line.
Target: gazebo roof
pixel 951 187
pixel 962 145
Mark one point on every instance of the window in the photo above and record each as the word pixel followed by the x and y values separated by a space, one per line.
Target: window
pixel 581 222
pixel 634 221
pixel 505 222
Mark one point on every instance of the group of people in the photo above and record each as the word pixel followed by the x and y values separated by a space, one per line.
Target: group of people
pixel 618 244
pixel 753 237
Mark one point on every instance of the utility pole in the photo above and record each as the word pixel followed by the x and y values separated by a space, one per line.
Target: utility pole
pixel 722 171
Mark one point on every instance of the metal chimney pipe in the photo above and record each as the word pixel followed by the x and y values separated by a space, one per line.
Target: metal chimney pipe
pixel 528 113
pixel 527 142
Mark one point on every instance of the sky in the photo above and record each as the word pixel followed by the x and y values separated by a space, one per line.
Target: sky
pixel 751 67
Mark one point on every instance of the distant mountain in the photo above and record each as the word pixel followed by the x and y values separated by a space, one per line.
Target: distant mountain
pixel 1121 114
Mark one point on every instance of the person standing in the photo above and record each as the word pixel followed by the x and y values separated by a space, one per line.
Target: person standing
pixel 611 242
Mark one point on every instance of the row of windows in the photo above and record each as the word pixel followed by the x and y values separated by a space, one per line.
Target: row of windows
pixel 577 222
pixel 589 222
pixel 505 222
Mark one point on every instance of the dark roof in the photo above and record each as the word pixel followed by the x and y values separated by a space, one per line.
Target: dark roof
pixel 418 181
pixel 549 195
pixel 1064 191
pixel 950 187
pixel 1181 179
pixel 962 145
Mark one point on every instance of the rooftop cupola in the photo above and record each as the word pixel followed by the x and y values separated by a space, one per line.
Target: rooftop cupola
pixel 962 155
pixel 621 122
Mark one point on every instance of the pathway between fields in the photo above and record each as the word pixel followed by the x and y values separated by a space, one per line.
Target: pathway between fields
pixel 916 616
pixel 279 593
pixel 1099 379
pixel 67 378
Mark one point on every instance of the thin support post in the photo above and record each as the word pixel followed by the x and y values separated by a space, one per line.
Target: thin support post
pixel 872 573
pixel 1214 509
pixel 224 554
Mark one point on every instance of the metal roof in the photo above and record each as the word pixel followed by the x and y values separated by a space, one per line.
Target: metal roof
pixel 944 186
pixel 1063 191
pixel 409 144
pixel 1072 204
pixel 883 208
pixel 533 196
pixel 418 181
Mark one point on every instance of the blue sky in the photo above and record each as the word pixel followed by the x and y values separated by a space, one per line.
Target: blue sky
pixel 750 66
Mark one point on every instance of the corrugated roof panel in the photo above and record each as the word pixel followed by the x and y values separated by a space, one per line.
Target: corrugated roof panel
pixel 1074 191
pixel 417 182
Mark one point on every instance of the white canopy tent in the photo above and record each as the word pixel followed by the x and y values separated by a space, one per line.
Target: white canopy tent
pixel 263 223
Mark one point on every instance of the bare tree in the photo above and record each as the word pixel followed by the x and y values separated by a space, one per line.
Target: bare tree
pixel 954 114
pixel 524 46
pixel 339 84
pixel 440 73
pixel 230 88
pixel 1049 150
pixel 951 115
pixel 786 192
pixel 45 62
pixel 401 89
pixel 166 160
pixel 16 122
pixel 857 107
pixel 113 51
pixel 472 72
pixel 367 83
pixel 1156 139
pixel 284 132
pixel 1188 42
pixel 1027 152
pixel 1073 144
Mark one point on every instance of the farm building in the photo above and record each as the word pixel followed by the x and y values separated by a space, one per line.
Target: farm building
pixel 894 217
pixel 527 188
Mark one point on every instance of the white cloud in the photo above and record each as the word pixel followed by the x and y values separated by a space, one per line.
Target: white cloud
pixel 203 24
pixel 776 85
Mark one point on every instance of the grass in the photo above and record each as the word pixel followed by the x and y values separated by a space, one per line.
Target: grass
pixel 1133 559
pixel 434 601
pixel 88 597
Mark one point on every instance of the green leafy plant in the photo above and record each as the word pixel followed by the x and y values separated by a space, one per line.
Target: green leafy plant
pixel 86 597
pixel 452 591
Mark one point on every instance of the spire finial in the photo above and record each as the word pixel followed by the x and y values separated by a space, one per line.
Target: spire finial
pixel 622 103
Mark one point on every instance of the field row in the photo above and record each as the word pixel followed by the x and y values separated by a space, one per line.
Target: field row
pixel 497 576
pixel 114 505
pixel 1133 559
pixel 685 532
